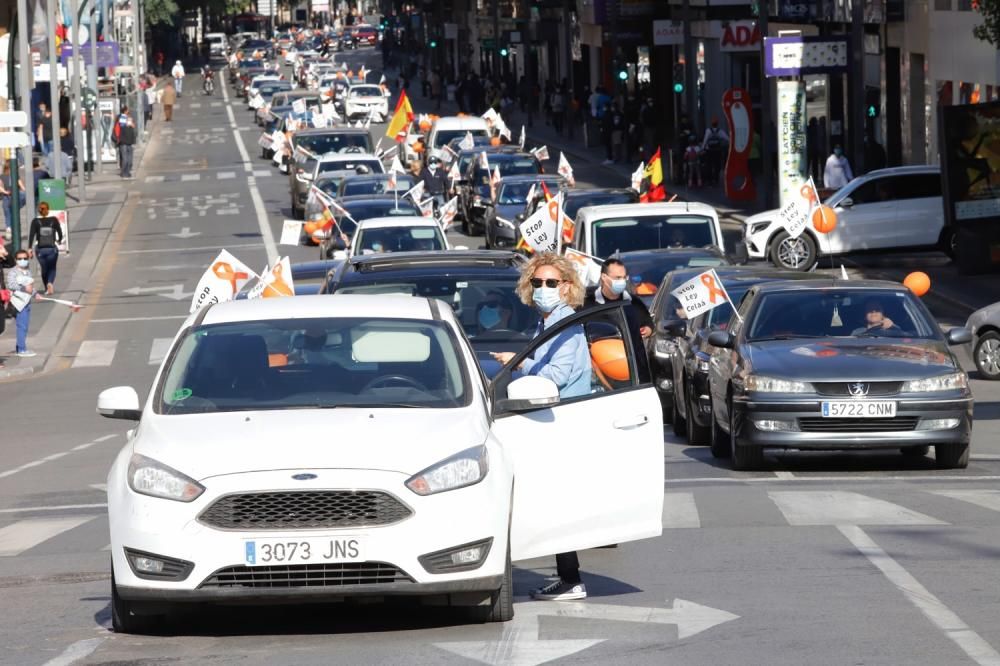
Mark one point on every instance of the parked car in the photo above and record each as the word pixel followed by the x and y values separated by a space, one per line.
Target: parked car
pixel 886 209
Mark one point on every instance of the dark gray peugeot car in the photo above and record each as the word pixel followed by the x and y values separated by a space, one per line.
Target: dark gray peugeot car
pixel 837 364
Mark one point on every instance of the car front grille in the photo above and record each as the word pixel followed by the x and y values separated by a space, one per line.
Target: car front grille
pixel 309 509
pixel 843 389
pixel 307 575
pixel 834 425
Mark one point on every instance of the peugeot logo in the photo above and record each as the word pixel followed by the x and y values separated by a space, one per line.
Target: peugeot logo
pixel 303 477
pixel 858 389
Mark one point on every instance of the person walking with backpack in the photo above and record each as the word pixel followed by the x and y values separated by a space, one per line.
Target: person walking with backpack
pixel 716 141
pixel 44 236
pixel 124 136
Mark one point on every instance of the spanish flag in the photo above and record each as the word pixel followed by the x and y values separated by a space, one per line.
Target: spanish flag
pixel 401 119
pixel 652 180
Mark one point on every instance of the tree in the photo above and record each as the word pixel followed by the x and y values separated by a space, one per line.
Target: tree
pixel 160 12
pixel 989 31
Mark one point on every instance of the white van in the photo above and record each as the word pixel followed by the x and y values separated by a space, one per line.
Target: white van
pixel 453 127
pixel 602 231
pixel 216 43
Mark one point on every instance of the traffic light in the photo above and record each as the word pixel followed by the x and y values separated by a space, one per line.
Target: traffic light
pixel 623 74
pixel 678 77
pixel 504 51
pixel 433 44
pixel 873 102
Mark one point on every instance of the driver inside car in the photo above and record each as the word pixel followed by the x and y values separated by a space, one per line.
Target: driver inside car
pixel 494 313
pixel 876 323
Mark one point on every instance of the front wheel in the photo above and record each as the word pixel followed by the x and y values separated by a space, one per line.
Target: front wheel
pixel 796 254
pixel 719 441
pixel 952 456
pixel 123 618
pixel 696 434
pixel 501 607
pixel 987 355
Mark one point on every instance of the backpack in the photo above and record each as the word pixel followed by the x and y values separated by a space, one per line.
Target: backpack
pixel 714 140
pixel 46 235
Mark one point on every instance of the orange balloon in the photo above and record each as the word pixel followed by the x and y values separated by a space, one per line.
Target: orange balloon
pixel 495 141
pixel 918 282
pixel 310 227
pixel 610 358
pixel 824 219
pixel 645 289
pixel 418 146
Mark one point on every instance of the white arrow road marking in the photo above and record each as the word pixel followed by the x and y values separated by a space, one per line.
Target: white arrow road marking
pixel 520 644
pixel 185 233
pixel 76 652
pixel 987 499
pixel 174 292
pixel 933 608
pixel 838 507
pixel 679 510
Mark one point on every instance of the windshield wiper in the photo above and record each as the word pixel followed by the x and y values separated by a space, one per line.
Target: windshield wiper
pixel 368 405
pixel 786 337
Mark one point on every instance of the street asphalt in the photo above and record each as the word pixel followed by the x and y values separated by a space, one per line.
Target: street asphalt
pixel 820 558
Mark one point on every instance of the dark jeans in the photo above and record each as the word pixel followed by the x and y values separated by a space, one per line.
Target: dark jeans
pixel 47 257
pixel 125 157
pixel 23 320
pixel 568 567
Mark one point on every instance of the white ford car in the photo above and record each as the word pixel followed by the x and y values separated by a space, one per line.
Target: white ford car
pixel 366 100
pixel 321 448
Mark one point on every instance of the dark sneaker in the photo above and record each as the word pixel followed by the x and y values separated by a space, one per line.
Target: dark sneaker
pixel 560 591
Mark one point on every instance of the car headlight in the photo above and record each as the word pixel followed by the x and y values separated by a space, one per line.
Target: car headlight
pixel 663 347
pixel 460 470
pixel 702 365
pixel 150 477
pixel 762 384
pixel 505 223
pixel 758 227
pixel 956 380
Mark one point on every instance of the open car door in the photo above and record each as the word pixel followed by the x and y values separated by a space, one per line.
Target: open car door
pixel 588 470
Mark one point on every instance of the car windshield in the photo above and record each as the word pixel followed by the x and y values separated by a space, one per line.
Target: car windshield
pixel 575 203
pixel 365 91
pixel 517 193
pixel 314 363
pixel 356 186
pixel 322 144
pixel 399 239
pixel 366 210
pixel 651 232
pixel 857 313
pixel 373 165
pixel 647 273
pixel 444 137
pixel 492 316
pixel 508 167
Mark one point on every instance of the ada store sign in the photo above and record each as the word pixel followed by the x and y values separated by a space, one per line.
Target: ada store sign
pixel 736 35
pixel 668 33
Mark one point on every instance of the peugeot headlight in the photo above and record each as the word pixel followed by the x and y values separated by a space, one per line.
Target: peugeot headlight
pixel 702 365
pixel 150 477
pixel 762 384
pixel 956 380
pixel 505 223
pixel 663 347
pixel 460 470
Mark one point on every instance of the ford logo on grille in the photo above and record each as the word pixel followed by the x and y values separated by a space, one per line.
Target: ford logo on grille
pixel 303 477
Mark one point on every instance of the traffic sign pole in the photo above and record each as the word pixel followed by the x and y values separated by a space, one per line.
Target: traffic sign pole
pixel 81 188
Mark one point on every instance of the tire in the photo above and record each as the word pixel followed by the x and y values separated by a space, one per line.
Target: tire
pixel 796 254
pixel 501 608
pixel 915 451
pixel 697 435
pixel 948 242
pixel 678 421
pixel 745 458
pixel 986 354
pixel 952 456
pixel 465 225
pixel 719 440
pixel 123 619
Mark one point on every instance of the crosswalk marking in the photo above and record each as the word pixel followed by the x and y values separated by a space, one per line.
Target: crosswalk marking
pixel 187 177
pixel 194 105
pixel 191 131
pixel 987 499
pixel 215 104
pixel 24 534
pixel 226 175
pixel 154 179
pixel 158 350
pixel 95 354
pixel 679 511
pixel 261 174
pixel 167 130
pixel 837 507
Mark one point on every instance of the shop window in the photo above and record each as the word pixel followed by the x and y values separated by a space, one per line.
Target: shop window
pixel 966 5
pixel 965 92
pixel 942 5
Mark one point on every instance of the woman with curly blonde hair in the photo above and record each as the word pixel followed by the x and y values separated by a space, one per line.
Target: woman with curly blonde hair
pixel 551 284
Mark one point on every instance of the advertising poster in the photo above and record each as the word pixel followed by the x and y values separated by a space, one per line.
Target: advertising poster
pixel 107 111
pixel 791 138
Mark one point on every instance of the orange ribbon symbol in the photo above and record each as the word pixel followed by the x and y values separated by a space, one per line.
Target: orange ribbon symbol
pixel 809 194
pixel 713 289
pixel 224 271
pixel 278 287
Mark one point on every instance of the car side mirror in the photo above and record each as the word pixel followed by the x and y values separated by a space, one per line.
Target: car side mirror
pixel 519 217
pixel 846 202
pixel 723 339
pixel 120 402
pixel 675 328
pixel 528 393
pixel 959 336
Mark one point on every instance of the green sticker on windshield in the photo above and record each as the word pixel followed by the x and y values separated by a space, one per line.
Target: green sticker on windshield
pixel 182 394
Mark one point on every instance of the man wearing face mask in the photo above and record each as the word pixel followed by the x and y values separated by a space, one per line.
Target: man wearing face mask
pixel 494 313
pixel 551 284
pixel 614 287
pixel 434 178
pixel 838 170
pixel 22 284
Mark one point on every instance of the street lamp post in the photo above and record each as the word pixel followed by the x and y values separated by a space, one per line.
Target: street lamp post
pixel 77 97
pixel 50 17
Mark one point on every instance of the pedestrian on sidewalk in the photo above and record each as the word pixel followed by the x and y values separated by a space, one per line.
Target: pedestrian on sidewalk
pixel 44 238
pixel 22 285
pixel 38 173
pixel 150 99
pixel 159 62
pixel 838 170
pixel 124 136
pixel 168 98
pixel 557 105
pixel 714 145
pixel 7 192
pixel 44 130
pixel 178 73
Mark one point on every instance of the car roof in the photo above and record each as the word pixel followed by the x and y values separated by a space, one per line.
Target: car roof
pixel 455 122
pixel 647 209
pixel 437 259
pixel 329 130
pixel 357 198
pixel 398 221
pixel 533 178
pixel 591 191
pixel 832 283
pixel 375 177
pixel 346 157
pixel 314 269
pixel 303 307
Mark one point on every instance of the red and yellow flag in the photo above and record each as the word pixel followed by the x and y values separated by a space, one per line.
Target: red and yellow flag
pixel 401 119
pixel 652 180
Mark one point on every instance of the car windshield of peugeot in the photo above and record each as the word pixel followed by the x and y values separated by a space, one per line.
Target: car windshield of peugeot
pixel 825 313
pixel 650 232
pixel 313 364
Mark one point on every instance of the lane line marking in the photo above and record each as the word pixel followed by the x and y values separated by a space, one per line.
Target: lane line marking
pixel 211 248
pixel 987 499
pixel 24 534
pixel 950 624
pixel 225 175
pixel 122 320
pixel 60 507
pixel 77 651
pixel 95 354
pixel 839 507
pixel 680 511
pixel 188 177
pixel 42 461
pixel 158 350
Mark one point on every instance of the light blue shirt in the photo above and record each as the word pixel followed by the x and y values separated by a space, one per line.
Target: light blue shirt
pixel 565 359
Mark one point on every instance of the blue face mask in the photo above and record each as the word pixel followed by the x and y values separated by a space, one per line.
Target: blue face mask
pixel 489 316
pixel 838 152
pixel 546 299
pixel 618 286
